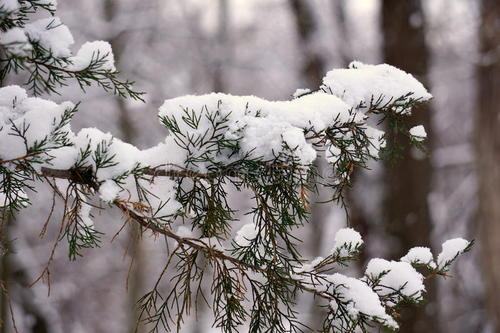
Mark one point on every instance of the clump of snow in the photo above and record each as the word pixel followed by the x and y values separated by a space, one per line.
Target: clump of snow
pixel 37 118
pixel 377 140
pixel 309 267
pixel 395 276
pixel 184 232
pixel 347 241
pixel 15 42
pixel 52 35
pixel 246 235
pixel 85 215
pixel 124 155
pixel 360 299
pixel 361 85
pixel 332 153
pixel 418 133
pixel 420 256
pixel 109 191
pixel 451 249
pixel 90 52
pixel 301 92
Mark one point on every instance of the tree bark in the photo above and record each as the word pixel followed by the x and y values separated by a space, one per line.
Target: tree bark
pixel 487 140
pixel 409 178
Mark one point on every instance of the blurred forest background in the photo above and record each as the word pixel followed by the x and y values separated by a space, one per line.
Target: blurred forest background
pixel 269 48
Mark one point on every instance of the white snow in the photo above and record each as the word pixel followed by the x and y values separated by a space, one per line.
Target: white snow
pixel 265 126
pixel 109 191
pixel 418 133
pixel 246 234
pixel 394 276
pixel 37 115
pixel 52 35
pixel 450 250
pixel 85 215
pixel 15 42
pixel 346 241
pixel 300 92
pixel 92 51
pixel 360 298
pixel 364 84
pixel 419 255
pixel 184 232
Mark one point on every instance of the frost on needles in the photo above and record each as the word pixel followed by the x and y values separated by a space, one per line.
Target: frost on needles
pixel 179 188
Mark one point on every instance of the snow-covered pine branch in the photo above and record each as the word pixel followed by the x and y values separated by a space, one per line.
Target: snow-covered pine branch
pixel 42 48
pixel 179 188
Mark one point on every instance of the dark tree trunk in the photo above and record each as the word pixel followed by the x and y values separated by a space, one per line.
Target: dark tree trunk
pixel 313 66
pixel 488 153
pixel 409 178
pixel 222 39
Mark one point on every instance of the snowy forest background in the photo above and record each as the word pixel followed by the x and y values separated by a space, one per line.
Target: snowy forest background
pixel 268 48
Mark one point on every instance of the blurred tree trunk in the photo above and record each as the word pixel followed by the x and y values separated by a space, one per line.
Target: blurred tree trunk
pixel 488 153
pixel 222 39
pixel 306 24
pixel 128 134
pixel 340 19
pixel 409 178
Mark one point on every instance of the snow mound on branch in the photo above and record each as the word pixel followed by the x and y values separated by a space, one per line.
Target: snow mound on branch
pixel 362 84
pixel 15 42
pixel 419 255
pixel 246 234
pixel 360 299
pixel 92 52
pixel 266 128
pixel 451 249
pixel 35 118
pixel 394 276
pixel 52 35
pixel 346 241
pixel 418 133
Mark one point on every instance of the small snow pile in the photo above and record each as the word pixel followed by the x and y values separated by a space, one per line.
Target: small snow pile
pixel 246 235
pixel 363 85
pixel 124 156
pixel 34 117
pixel 85 215
pixel 15 42
pixel 301 92
pixel 393 276
pixel 451 249
pixel 360 299
pixel 90 53
pixel 52 35
pixel 420 256
pixel 347 242
pixel 418 133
